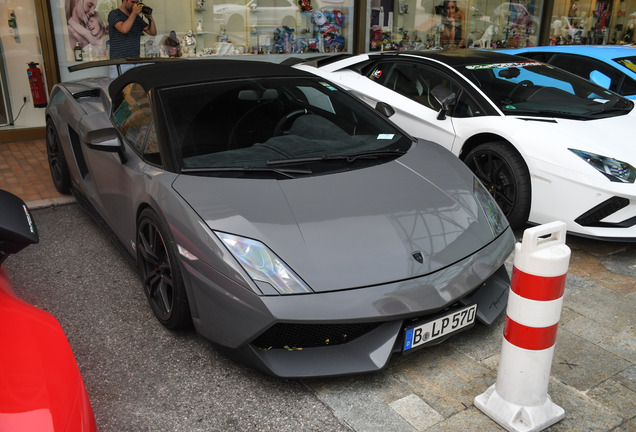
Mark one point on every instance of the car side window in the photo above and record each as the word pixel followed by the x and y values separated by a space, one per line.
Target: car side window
pixel 416 82
pixel 151 152
pixel 133 116
pixel 584 66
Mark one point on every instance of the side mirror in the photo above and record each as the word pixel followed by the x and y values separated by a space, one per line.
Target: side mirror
pixel 107 140
pixel 385 109
pixel 446 98
pixel 17 227
pixel 600 78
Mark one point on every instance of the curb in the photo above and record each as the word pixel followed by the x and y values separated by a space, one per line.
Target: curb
pixel 50 202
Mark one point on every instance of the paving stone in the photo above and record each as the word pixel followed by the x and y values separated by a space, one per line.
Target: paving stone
pixel 616 396
pixel 470 419
pixel 628 378
pixel 447 381
pixel 599 304
pixel 582 364
pixel 582 413
pixel 361 408
pixel 417 412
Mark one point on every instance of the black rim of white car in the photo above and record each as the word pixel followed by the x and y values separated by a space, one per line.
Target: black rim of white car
pixel 504 174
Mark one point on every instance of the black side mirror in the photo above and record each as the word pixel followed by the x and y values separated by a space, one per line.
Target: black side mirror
pixel 385 109
pixel 446 98
pixel 107 140
pixel 17 227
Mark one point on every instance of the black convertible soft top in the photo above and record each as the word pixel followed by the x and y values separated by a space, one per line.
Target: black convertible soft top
pixel 190 71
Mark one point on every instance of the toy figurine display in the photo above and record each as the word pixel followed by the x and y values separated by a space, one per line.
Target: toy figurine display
pixel 173 45
pixel 189 43
pixel 324 35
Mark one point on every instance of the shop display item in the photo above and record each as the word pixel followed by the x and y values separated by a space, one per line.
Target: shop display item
pixel 173 46
pixel 189 43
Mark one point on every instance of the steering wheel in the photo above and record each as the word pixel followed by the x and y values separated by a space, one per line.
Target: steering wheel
pixel 524 83
pixel 285 121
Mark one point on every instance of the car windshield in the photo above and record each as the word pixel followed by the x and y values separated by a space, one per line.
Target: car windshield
pixel 628 62
pixel 533 88
pixel 302 125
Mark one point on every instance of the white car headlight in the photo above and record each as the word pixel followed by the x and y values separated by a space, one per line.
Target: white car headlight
pixel 263 265
pixel 489 207
pixel 613 169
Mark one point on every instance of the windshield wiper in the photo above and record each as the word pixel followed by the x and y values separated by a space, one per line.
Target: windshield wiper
pixel 338 157
pixel 547 113
pixel 611 109
pixel 284 172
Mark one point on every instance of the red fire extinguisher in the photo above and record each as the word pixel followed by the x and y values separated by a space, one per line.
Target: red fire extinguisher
pixel 37 85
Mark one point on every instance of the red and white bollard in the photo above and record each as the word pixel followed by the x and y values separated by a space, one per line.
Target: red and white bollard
pixel 519 400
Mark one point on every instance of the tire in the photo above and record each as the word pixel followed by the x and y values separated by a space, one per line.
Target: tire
pixel 504 173
pixel 57 162
pixel 160 273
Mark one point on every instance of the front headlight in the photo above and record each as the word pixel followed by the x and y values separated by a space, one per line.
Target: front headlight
pixel 263 265
pixel 613 169
pixel 489 207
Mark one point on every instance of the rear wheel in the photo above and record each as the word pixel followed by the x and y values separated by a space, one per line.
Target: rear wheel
pixel 57 161
pixel 504 173
pixel 160 273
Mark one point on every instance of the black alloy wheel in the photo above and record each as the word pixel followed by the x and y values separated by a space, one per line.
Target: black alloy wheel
pixel 505 175
pixel 57 162
pixel 160 273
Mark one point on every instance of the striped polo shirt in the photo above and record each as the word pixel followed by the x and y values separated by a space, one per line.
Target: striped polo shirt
pixel 124 45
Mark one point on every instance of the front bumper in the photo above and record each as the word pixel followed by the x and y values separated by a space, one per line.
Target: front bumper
pixel 599 209
pixel 240 321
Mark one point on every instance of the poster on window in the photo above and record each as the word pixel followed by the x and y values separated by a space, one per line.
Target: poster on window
pixel 85 24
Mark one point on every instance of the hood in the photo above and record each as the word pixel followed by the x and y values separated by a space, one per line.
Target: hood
pixel 355 228
pixel 608 137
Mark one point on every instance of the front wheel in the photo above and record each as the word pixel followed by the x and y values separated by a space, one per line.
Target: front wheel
pixel 160 273
pixel 504 173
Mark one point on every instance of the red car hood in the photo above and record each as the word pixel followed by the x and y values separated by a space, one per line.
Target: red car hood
pixel 41 388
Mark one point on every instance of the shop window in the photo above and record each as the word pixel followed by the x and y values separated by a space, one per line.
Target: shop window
pixel 424 24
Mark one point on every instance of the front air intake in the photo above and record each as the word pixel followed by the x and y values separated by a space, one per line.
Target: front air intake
pixel 594 216
pixel 298 336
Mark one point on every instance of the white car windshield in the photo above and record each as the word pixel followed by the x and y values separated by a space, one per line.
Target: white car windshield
pixel 533 88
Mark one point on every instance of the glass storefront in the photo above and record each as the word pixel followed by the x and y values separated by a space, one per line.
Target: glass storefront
pixel 421 24
pixel 593 22
pixel 216 27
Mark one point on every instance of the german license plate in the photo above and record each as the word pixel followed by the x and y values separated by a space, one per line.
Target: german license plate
pixel 443 326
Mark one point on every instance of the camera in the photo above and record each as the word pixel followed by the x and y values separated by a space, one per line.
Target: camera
pixel 146 10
